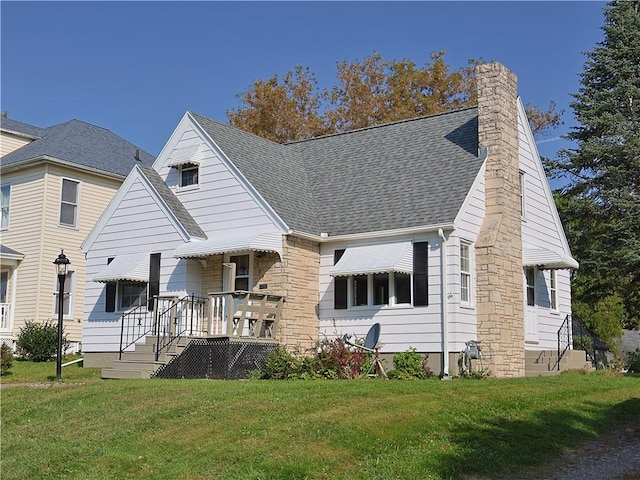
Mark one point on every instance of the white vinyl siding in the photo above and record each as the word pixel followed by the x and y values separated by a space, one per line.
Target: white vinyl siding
pixel 542 229
pixel 403 325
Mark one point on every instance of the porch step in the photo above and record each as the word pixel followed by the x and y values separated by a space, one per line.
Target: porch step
pixel 141 362
pixel 545 362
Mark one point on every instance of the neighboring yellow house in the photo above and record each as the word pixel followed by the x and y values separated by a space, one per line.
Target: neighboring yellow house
pixel 55 183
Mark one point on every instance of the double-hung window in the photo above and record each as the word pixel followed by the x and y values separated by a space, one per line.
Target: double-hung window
pixel 465 273
pixel 5 196
pixel 69 202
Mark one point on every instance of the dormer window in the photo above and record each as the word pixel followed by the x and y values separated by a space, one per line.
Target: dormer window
pixel 188 174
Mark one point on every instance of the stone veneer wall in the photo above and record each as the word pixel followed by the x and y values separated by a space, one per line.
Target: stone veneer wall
pixel 500 302
pixel 300 323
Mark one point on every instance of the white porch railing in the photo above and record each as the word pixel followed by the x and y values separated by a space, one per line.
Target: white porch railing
pixel 244 314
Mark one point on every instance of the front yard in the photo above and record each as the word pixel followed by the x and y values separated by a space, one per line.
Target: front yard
pixel 204 429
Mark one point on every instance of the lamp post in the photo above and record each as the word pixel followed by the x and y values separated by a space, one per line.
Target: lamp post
pixel 61 263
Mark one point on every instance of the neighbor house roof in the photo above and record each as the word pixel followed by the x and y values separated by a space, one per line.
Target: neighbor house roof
pixel 79 143
pixel 406 174
pixel 19 128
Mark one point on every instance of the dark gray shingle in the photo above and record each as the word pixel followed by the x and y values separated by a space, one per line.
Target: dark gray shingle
pixel 15 126
pixel 83 144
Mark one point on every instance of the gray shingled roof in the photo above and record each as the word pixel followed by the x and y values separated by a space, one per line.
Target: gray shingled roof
pixel 405 174
pixel 172 202
pixel 15 126
pixel 9 251
pixel 83 144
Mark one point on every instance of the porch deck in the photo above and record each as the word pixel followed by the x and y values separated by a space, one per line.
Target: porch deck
pixel 235 328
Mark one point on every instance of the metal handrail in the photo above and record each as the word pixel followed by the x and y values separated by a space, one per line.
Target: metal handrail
pixel 135 324
pixel 185 316
pixel 564 338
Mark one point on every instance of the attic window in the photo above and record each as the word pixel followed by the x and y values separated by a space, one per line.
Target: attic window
pixel 188 174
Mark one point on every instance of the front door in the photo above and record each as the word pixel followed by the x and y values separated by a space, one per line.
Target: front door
pixel 530 312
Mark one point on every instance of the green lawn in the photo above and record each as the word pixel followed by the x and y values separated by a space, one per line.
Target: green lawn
pixel 367 429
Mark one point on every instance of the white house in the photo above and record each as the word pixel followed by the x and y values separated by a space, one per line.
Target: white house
pixel 442 229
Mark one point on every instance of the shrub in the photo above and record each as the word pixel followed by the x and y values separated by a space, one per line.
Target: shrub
pixel 410 365
pixel 331 359
pixel 633 361
pixel 6 358
pixel 38 342
pixel 279 365
pixel 336 359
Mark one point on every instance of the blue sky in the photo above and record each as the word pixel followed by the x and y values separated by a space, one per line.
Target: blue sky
pixel 136 67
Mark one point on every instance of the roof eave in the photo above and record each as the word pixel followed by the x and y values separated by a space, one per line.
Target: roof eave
pixel 30 162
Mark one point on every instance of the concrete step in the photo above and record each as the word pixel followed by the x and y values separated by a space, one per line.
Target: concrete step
pixel 114 374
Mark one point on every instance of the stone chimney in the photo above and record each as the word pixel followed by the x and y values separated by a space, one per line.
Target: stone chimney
pixel 500 301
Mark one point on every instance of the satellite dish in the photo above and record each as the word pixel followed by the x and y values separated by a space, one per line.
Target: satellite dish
pixel 372 337
pixel 370 345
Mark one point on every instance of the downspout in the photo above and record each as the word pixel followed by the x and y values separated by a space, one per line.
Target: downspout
pixel 445 309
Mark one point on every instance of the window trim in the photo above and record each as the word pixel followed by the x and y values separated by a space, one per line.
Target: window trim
pixel 553 290
pixel 249 276
pixel 186 167
pixel 4 225
pixel 468 274
pixel 522 194
pixel 530 287
pixel 76 212
pixel 120 285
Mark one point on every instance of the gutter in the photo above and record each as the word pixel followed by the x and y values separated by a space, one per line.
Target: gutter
pixel 445 306
pixel 324 237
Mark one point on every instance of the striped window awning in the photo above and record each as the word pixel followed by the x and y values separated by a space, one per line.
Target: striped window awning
pixel 187 155
pixel 266 242
pixel 125 268
pixel 388 257
pixel 547 259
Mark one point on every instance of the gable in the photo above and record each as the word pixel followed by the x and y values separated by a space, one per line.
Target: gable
pixel 140 209
pixel 541 229
pixel 224 201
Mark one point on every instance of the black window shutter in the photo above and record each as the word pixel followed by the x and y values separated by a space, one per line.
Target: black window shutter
pixel 110 301
pixel 420 274
pixel 154 279
pixel 340 285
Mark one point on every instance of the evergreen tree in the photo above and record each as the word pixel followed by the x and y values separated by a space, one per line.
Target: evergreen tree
pixel 600 201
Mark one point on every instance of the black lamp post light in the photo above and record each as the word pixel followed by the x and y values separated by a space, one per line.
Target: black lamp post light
pixel 62 264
